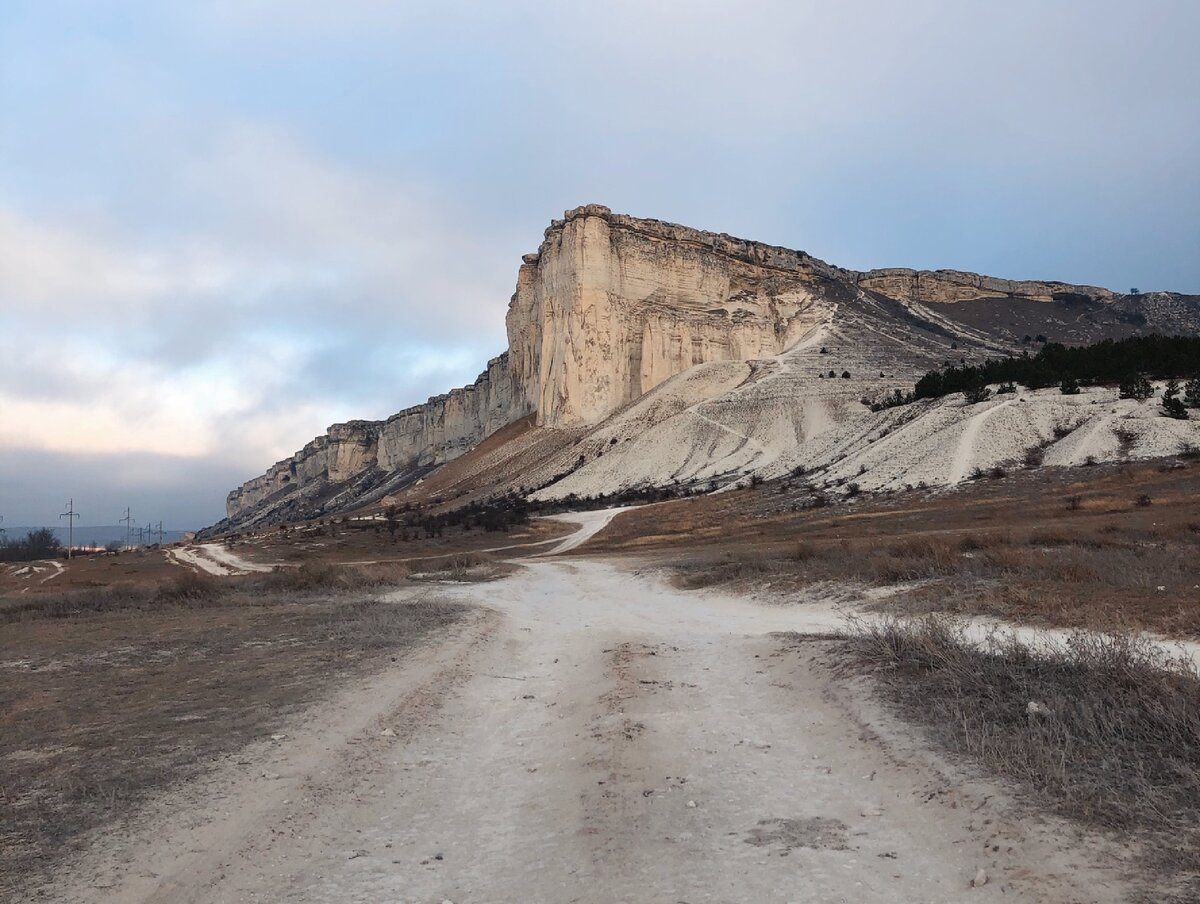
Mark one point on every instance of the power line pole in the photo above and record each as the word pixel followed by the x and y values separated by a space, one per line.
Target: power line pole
pixel 70 514
pixel 160 533
pixel 128 519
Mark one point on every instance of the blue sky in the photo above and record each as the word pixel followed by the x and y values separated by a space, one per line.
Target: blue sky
pixel 226 224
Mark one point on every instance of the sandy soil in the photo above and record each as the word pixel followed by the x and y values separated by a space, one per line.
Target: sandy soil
pixel 594 735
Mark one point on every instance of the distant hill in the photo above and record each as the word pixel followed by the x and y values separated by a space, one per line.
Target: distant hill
pixel 92 536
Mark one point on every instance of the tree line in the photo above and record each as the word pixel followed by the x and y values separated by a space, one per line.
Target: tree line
pixel 1129 363
pixel 37 544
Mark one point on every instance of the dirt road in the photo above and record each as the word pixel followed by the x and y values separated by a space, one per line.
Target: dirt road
pixel 596 736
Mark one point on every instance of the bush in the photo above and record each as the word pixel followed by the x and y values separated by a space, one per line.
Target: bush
pixel 37 544
pixel 977 394
pixel 1069 387
pixel 1136 387
pixel 1173 408
pixel 1191 393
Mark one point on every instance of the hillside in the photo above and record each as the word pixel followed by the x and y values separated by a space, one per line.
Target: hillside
pixel 644 353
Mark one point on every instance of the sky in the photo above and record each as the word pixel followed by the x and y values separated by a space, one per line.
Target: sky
pixel 227 224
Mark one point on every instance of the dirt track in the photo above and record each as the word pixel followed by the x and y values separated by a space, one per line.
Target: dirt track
pixel 595 736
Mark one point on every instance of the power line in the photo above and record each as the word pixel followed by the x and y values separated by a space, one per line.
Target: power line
pixel 128 519
pixel 70 514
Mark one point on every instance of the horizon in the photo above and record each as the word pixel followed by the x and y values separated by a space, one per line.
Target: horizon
pixel 229 226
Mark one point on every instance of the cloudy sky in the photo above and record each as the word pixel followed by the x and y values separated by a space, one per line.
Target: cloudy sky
pixel 226 224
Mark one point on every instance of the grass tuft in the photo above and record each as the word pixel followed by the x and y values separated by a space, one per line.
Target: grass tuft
pixel 1104 728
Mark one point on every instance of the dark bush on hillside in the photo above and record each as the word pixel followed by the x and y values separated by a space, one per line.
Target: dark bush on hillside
pixel 1136 387
pixel 37 544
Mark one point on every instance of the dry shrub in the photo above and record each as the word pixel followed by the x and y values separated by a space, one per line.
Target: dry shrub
pixel 916 558
pixel 1071 569
pixel 185 589
pixel 1005 560
pixel 461 562
pixel 322 576
pixel 187 586
pixel 804 552
pixel 1113 739
pixel 726 572
pixel 1048 538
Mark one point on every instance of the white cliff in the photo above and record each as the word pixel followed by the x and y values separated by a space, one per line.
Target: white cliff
pixel 610 307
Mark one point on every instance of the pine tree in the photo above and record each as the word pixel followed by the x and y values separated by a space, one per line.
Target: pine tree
pixel 1136 387
pixel 976 394
pixel 1191 393
pixel 1172 407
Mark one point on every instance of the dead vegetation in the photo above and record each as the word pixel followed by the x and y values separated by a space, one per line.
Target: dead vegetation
pixel 1103 576
pixel 110 695
pixel 1080 554
pixel 1103 729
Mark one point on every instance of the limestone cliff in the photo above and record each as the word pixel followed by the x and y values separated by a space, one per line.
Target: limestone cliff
pixel 611 306
pixel 607 309
pixel 416 438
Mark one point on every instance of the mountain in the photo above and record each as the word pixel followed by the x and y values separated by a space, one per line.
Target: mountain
pixel 644 353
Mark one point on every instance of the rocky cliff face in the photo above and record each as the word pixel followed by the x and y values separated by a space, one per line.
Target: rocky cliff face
pixel 411 440
pixel 949 286
pixel 611 306
pixel 607 309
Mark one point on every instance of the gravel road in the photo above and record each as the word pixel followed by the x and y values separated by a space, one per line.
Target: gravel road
pixel 594 735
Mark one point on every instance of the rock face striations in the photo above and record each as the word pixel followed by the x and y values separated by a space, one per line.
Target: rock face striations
pixel 606 309
pixel 611 307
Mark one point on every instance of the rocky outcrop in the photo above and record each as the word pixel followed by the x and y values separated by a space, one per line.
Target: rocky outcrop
pixel 443 428
pixel 949 286
pixel 608 308
pixel 611 306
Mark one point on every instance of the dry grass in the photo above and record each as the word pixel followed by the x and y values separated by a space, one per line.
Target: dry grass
pixel 1068 547
pixel 110 695
pixel 1087 573
pixel 1106 730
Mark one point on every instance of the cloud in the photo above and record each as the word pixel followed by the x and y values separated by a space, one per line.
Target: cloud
pixel 310 293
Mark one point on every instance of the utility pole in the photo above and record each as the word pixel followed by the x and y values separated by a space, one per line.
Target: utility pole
pixel 70 514
pixel 128 519
pixel 160 533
